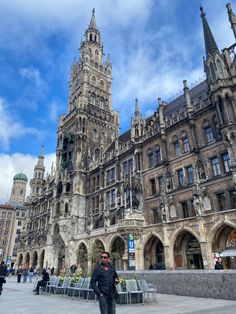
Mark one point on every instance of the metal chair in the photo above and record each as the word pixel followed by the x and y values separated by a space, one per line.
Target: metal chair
pixel 77 287
pixel 122 293
pixel 148 289
pixel 86 287
pixel 53 285
pixel 132 288
pixel 64 286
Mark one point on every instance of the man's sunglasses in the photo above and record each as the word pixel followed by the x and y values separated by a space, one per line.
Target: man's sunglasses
pixel 105 257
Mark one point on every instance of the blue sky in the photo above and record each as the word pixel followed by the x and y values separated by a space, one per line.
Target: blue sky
pixel 154 46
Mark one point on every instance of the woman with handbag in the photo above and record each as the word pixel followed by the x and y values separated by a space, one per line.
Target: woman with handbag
pixel 3 272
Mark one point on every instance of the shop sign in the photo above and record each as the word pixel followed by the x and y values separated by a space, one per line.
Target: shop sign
pixel 231 243
pixel 193 247
pixel 131 252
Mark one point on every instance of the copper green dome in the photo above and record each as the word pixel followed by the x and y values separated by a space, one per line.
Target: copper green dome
pixel 20 176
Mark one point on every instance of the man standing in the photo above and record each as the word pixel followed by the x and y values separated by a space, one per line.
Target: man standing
pixel 103 281
pixel 3 272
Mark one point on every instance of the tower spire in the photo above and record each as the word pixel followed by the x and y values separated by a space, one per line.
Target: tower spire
pixel 40 162
pixel 210 43
pixel 92 23
pixel 137 111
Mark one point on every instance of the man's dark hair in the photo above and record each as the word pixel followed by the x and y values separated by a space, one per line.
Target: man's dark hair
pixel 107 253
pixel 2 263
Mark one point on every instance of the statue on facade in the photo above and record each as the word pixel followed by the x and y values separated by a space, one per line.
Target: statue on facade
pixel 197 205
pixel 169 181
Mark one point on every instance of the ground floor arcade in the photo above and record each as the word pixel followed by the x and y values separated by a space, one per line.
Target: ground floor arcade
pixel 189 244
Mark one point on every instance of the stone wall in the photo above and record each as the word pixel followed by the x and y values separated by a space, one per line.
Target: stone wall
pixel 195 283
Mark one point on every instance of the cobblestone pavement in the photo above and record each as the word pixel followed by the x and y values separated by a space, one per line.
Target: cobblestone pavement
pixel 18 298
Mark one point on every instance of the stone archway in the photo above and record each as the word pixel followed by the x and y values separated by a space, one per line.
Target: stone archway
pixel 98 247
pixel 187 251
pixel 35 260
pixel 154 253
pixel 82 257
pixel 59 250
pixel 225 239
pixel 41 260
pixel 27 259
pixel 20 260
pixel 117 253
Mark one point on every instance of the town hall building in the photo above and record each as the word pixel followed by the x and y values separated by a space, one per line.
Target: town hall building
pixel 167 184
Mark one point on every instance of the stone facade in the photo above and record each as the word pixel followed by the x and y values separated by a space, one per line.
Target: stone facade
pixel 169 180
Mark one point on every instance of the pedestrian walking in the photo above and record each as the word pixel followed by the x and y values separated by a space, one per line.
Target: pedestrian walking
pixel 43 282
pixel 103 281
pixel 19 274
pixel 31 273
pixel 25 273
pixel 3 273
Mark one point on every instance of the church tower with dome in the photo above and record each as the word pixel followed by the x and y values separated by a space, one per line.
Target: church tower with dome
pixel 18 190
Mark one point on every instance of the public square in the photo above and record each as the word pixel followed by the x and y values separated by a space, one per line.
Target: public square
pixel 18 298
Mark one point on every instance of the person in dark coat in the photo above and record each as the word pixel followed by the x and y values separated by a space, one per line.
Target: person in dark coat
pixel 19 274
pixel 43 282
pixel 3 273
pixel 218 264
pixel 103 281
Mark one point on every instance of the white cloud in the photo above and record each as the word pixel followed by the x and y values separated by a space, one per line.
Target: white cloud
pixel 54 110
pixel 35 87
pixel 15 163
pixel 10 128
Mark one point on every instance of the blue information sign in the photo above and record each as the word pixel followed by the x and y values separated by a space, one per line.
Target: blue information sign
pixel 131 252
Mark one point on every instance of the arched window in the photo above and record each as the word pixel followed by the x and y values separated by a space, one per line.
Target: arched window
pixel 96 52
pixel 176 146
pixel 90 51
pixel 97 153
pixel 101 103
pixel 150 158
pixel 220 69
pixel 185 142
pixel 93 99
pixel 102 84
pixel 208 134
pixel 58 208
pixel 158 154
pixel 91 37
pixel 213 74
pixel 59 188
pixel 68 187
pixel 66 208
pixel 95 38
pixel 94 80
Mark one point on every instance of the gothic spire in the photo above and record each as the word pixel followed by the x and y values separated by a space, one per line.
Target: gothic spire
pixel 210 43
pixel 40 163
pixel 92 23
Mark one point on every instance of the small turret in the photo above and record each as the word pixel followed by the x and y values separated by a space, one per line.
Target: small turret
pixel 187 97
pixel 232 18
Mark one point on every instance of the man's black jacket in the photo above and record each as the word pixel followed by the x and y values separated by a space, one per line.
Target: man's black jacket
pixel 103 281
pixel 3 270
